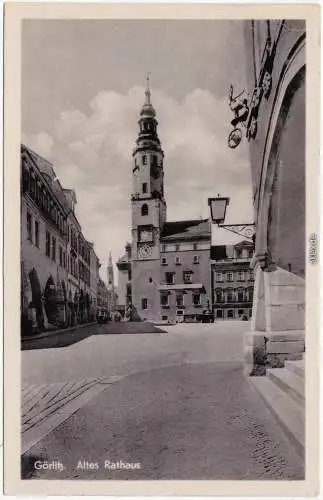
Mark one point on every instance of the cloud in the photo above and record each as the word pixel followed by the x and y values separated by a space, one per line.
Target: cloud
pixel 92 153
pixel 41 143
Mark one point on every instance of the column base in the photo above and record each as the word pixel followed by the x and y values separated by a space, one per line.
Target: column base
pixel 264 350
pixel 255 354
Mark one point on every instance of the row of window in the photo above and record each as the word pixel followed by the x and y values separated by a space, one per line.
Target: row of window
pixel 177 247
pixel 84 273
pixel 170 278
pixel 144 160
pixel 164 300
pixel 196 299
pixel 178 260
pixel 234 276
pixel 77 244
pixel 72 265
pixel 229 313
pixel 234 295
pixel 39 193
pixel 33 185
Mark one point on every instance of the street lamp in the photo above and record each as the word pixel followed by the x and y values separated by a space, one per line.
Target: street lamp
pixel 218 207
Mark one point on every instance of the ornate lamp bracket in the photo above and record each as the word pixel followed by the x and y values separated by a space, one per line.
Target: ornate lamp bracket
pixel 245 230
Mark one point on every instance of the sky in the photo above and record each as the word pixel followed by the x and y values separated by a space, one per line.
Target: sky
pixel 83 85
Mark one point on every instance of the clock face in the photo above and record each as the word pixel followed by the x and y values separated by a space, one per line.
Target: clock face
pixel 144 251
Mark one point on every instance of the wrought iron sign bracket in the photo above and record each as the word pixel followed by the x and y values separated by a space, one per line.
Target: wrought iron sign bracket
pixel 247 231
pixel 246 110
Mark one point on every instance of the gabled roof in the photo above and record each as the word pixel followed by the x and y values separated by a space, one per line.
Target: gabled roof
pixel 186 230
pixel 47 171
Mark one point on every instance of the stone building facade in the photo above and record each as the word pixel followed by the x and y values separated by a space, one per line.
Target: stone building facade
pixel 170 261
pixel 102 296
pixel 112 291
pixel 232 281
pixel 276 132
pixel 54 292
pixel 124 280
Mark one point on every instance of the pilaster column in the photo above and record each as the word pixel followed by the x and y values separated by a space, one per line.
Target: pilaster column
pixel 277 326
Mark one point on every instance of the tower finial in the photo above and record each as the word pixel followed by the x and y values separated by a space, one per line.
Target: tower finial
pixel 147 91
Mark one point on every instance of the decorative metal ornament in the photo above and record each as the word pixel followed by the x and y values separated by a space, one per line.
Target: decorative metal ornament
pixel 245 230
pixel 234 138
pixel 266 84
pixel 252 129
pixel 256 98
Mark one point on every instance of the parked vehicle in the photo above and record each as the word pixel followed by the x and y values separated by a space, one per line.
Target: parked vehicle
pixel 206 317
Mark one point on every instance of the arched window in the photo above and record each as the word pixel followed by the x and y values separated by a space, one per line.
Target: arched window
pixel 144 209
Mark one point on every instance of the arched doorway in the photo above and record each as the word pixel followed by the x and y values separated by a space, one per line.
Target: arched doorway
pixel 36 302
pixel 75 317
pixel 50 300
pixel 81 306
pixel 25 300
pixel 286 218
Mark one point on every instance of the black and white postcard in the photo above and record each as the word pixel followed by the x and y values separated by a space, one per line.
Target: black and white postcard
pixel 161 249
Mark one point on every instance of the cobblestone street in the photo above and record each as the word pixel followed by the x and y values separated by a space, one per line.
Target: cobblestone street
pixel 160 401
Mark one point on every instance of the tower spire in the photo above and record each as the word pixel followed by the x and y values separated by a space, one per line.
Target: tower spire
pixel 147 91
pixel 110 273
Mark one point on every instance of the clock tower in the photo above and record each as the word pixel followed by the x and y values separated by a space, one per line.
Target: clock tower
pixel 148 212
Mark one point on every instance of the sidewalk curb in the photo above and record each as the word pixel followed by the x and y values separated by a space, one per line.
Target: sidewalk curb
pixel 55 332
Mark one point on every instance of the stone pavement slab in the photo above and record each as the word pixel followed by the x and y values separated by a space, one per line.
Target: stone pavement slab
pixel 45 406
pixel 190 421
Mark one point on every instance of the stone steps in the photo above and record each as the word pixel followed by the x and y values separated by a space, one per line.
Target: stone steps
pixel 288 382
pixel 297 367
pixel 283 391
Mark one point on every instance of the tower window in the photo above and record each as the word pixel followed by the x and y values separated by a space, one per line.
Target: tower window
pixel 179 300
pixel 37 233
pixel 144 209
pixel 229 276
pixel 219 295
pixel 196 299
pixel 54 248
pixel 144 303
pixel 144 187
pixel 240 276
pixel 170 278
pixel 47 243
pixel 196 259
pixel 230 295
pixel 164 300
pixel 187 277
pixel 154 160
pixel 29 227
pixel 144 159
pixel 177 260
